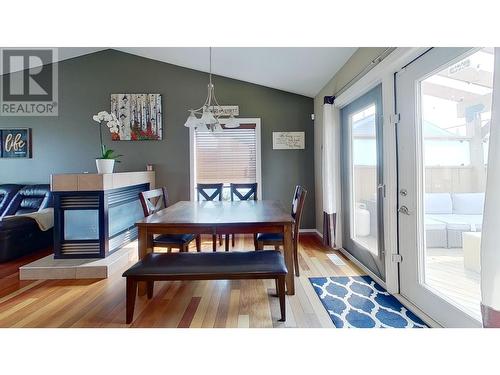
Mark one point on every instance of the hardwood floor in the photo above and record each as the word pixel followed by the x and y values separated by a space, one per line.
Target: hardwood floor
pixel 197 304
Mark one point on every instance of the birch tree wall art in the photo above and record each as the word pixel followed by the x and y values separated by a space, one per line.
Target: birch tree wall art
pixel 140 117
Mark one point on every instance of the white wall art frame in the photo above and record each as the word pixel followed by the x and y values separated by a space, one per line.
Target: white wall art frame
pixel 289 140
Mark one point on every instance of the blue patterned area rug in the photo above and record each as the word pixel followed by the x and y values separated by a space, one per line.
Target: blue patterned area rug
pixel 359 302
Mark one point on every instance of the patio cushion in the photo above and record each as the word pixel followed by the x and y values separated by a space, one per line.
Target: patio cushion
pixel 468 203
pixel 432 224
pixel 472 223
pixel 475 221
pixel 438 203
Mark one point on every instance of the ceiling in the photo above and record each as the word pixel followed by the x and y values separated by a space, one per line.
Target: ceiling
pixel 62 54
pixel 300 70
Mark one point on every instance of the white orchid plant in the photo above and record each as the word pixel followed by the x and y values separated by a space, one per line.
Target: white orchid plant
pixel 104 118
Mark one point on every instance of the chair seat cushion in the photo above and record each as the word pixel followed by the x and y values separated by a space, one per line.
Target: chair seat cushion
pixel 173 239
pixel 271 237
pixel 199 264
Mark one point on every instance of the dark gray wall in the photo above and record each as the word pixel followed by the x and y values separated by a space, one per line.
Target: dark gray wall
pixel 70 142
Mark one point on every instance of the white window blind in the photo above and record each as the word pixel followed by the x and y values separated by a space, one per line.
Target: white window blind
pixel 228 156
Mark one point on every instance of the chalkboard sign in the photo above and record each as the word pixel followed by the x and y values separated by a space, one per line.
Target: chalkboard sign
pixel 288 140
pixel 15 143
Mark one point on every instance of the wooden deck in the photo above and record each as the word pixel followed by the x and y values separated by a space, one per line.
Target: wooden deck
pixel 445 273
pixel 101 303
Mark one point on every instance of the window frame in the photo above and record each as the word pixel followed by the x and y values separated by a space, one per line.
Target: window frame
pixel 192 156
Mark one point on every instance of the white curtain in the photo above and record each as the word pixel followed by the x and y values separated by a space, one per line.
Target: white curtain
pixel 331 173
pixel 490 241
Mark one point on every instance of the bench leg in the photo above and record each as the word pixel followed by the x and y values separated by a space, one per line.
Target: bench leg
pixel 281 294
pixel 150 288
pixel 255 244
pixel 276 247
pixel 226 243
pixel 232 236
pixel 214 242
pixel 198 243
pixel 130 299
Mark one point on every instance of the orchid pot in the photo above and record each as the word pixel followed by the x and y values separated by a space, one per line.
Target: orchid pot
pixel 105 165
pixel 106 162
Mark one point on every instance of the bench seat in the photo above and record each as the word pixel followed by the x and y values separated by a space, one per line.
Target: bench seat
pixel 205 266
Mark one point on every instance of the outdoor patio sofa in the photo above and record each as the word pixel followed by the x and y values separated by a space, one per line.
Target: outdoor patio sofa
pixel 447 215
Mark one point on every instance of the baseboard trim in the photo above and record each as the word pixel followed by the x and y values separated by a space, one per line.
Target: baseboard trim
pixel 314 231
pixel 406 303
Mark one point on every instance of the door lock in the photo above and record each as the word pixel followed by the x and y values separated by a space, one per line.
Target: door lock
pixel 404 210
pixel 403 192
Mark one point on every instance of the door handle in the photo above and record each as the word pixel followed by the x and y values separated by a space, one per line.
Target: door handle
pixel 381 187
pixel 404 210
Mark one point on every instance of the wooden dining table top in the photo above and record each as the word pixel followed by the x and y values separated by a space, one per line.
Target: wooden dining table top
pixel 221 212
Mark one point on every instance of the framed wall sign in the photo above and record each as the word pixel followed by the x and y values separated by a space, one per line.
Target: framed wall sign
pixel 15 143
pixel 289 140
pixel 226 110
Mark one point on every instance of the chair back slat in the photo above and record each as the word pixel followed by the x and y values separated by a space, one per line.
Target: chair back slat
pixel 203 192
pixel 236 190
pixel 154 200
pixel 297 206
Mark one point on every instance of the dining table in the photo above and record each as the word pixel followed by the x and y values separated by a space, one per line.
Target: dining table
pixel 220 217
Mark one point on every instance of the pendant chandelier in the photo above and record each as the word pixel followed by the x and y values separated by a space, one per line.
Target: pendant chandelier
pixel 210 112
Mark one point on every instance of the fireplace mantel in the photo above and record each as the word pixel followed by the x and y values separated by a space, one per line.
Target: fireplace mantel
pixel 105 181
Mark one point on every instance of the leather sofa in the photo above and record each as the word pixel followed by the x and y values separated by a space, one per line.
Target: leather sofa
pixel 20 235
pixel 7 192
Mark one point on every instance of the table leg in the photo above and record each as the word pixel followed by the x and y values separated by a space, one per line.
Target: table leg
pixel 288 253
pixel 145 246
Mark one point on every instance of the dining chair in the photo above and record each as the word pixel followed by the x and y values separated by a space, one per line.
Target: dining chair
pixel 276 239
pixel 242 192
pixel 210 192
pixel 155 200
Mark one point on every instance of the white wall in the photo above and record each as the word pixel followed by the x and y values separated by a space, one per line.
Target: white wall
pixel 358 61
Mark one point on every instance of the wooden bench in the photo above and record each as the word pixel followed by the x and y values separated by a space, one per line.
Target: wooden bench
pixel 205 266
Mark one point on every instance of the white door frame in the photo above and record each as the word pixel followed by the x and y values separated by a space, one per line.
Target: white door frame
pixel 192 156
pixel 413 287
pixel 384 73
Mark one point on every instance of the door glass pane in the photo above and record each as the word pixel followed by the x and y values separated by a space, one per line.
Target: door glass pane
pixel 455 126
pixel 364 178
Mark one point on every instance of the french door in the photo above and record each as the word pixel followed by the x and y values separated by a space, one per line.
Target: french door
pixel 444 102
pixel 362 180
